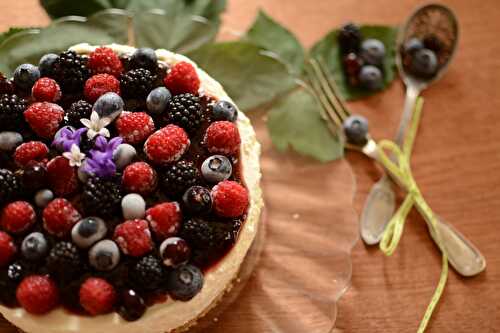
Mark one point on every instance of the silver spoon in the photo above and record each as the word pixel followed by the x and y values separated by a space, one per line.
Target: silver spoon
pixel 437 20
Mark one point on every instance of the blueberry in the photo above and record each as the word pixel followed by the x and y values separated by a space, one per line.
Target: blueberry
pixel 43 197
pixel 132 305
pixel 144 58
pixel 133 206
pixel 124 155
pixel 88 231
pixel 34 246
pixel 158 99
pixel 424 63
pixel 10 140
pixel 412 45
pixel 197 200
pixel 174 251
pixel 373 51
pixel 185 282
pixel 26 75
pixel 104 255
pixel 109 105
pixel 46 64
pixel 216 169
pixel 224 110
pixel 370 78
pixel 356 129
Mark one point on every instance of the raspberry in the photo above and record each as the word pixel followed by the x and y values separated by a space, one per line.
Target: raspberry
pixel 165 219
pixel 37 294
pixel 7 248
pixel 46 90
pixel 17 217
pixel 59 217
pixel 182 78
pixel 100 84
pixel 134 127
pixel 230 199
pixel 62 177
pixel 167 144
pixel 97 296
pixel 105 60
pixel 30 152
pixel 140 178
pixel 134 237
pixel 223 137
pixel 44 118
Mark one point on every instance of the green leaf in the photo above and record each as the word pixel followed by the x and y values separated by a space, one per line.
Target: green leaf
pixel 328 49
pixel 250 76
pixel 270 35
pixel 12 31
pixel 295 121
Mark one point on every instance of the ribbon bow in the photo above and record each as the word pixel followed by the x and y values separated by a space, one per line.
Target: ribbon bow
pixel 401 172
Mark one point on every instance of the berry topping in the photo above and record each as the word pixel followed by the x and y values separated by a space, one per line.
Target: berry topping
pixel 133 206
pixel 70 71
pixel 64 261
pixel 97 296
pixel 182 78
pixel 230 199
pixel 104 255
pixel 137 83
pixel 349 38
pixel 371 78
pixel 148 273
pixel 32 151
pixel 157 100
pixel 174 251
pixel 34 246
pixel 38 294
pixel 197 200
pixel 100 84
pixel 17 217
pixel 88 231
pixel 110 105
pixel 223 137
pixel 26 75
pixel 9 186
pixel 46 64
pixel 78 110
pixel 224 110
pixel 134 127
pixel 134 237
pixel 178 177
pixel 132 305
pixel 216 168
pixel 104 60
pixel 184 110
pixel 7 248
pixel 144 57
pixel 62 177
pixel 373 51
pixel 356 129
pixel 167 144
pixel 44 118
pixel 165 219
pixel 185 282
pixel 59 217
pixel 101 197
pixel 139 177
pixel 11 112
pixel 46 90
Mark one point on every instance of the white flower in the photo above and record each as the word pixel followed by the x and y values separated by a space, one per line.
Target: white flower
pixel 75 157
pixel 96 126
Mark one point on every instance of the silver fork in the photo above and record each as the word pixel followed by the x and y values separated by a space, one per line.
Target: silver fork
pixel 465 258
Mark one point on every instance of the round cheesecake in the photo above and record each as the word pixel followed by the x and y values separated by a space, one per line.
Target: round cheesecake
pixel 170 315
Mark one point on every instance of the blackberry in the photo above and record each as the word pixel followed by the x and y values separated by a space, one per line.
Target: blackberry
pixel 9 280
pixel 78 110
pixel 148 273
pixel 185 111
pixel 6 85
pixel 86 144
pixel 11 112
pixel 349 38
pixel 9 186
pixel 64 261
pixel 178 177
pixel 101 197
pixel 71 71
pixel 137 83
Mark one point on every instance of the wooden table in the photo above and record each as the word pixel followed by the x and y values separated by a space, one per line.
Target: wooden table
pixel 456 161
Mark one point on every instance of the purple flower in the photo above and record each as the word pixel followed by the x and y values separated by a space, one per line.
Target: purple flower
pixel 66 137
pixel 100 161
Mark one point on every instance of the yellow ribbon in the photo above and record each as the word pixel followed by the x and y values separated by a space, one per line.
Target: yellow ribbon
pixel 401 173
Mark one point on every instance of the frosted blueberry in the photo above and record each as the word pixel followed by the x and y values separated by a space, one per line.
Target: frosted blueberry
pixel 371 78
pixel 356 129
pixel 104 255
pixel 412 45
pixel 10 140
pixel 124 155
pixel 110 105
pixel 185 282
pixel 224 110
pixel 26 75
pixel 424 63
pixel 133 206
pixel 34 246
pixel 373 51
pixel 88 231
pixel 216 168
pixel 43 197
pixel 158 99
pixel 144 57
pixel 46 64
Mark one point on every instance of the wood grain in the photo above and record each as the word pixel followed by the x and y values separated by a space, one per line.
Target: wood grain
pixel 455 161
